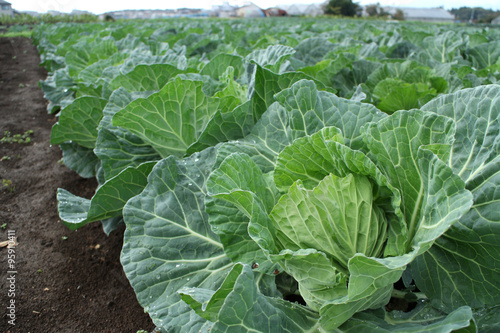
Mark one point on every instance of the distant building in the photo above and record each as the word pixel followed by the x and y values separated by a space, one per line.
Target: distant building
pixel 271 12
pixel 29 12
pixel 302 9
pixel 224 10
pixel 6 8
pixel 423 14
pixel 80 12
pixel 496 20
pixel 55 13
pixel 154 13
pixel 250 10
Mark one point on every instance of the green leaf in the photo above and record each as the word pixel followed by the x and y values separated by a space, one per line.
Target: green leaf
pixel 338 217
pixel 314 157
pixel 335 313
pixel 461 267
pixel 80 159
pixel 239 306
pixel 58 89
pixel 310 110
pixel 107 202
pixel 225 126
pixel 233 187
pixel 310 51
pixel 358 72
pixel 98 71
pixel 118 148
pixel 301 110
pixel 169 244
pixel 170 120
pixel 325 70
pixel 393 144
pixel 84 53
pixel 423 318
pixel 218 65
pixel 272 57
pixel 398 97
pixel 318 280
pixel 145 77
pixel 267 84
pixel 78 122
pixel 73 208
pixel 485 55
pixel 442 201
pixel 443 47
pixel 237 179
pixel 488 319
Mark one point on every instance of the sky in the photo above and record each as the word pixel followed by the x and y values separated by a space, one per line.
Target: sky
pixel 102 6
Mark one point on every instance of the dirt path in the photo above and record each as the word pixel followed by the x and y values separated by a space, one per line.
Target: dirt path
pixel 66 281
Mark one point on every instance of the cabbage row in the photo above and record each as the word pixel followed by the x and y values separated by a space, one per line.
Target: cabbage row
pixel 288 175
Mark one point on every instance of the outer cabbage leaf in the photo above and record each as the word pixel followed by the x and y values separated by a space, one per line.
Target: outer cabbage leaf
pixel 218 65
pixel 272 57
pixel 443 47
pixel 310 51
pixel 58 89
pixel 80 159
pixel 103 70
pixel 107 202
pixel 240 305
pixel 267 84
pixel 485 55
pixel 78 122
pixel 393 144
pixel 423 318
pixel 310 110
pixel 238 123
pixel 463 265
pixel 225 126
pixel 170 120
pixel 232 188
pixel 118 148
pixel 169 244
pixel 85 53
pixel 145 77
pixel 301 110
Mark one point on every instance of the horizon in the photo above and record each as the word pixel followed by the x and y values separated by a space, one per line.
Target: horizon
pixel 99 7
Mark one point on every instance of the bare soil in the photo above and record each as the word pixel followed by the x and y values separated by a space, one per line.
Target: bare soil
pixel 66 281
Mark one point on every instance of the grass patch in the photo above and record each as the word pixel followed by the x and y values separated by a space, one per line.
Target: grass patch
pixel 12 34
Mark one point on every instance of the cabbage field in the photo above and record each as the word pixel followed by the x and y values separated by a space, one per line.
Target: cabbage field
pixel 288 175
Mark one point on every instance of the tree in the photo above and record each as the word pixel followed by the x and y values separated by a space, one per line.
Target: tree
pixel 376 11
pixel 341 7
pixel 399 15
pixel 372 10
pixel 476 14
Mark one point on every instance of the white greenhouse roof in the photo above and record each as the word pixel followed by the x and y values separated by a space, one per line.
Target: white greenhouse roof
pixel 418 13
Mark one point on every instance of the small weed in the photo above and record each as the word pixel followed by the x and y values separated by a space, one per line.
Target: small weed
pixel 5 158
pixel 17 138
pixel 21 85
pixel 64 237
pixel 14 57
pixel 3 226
pixel 8 184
